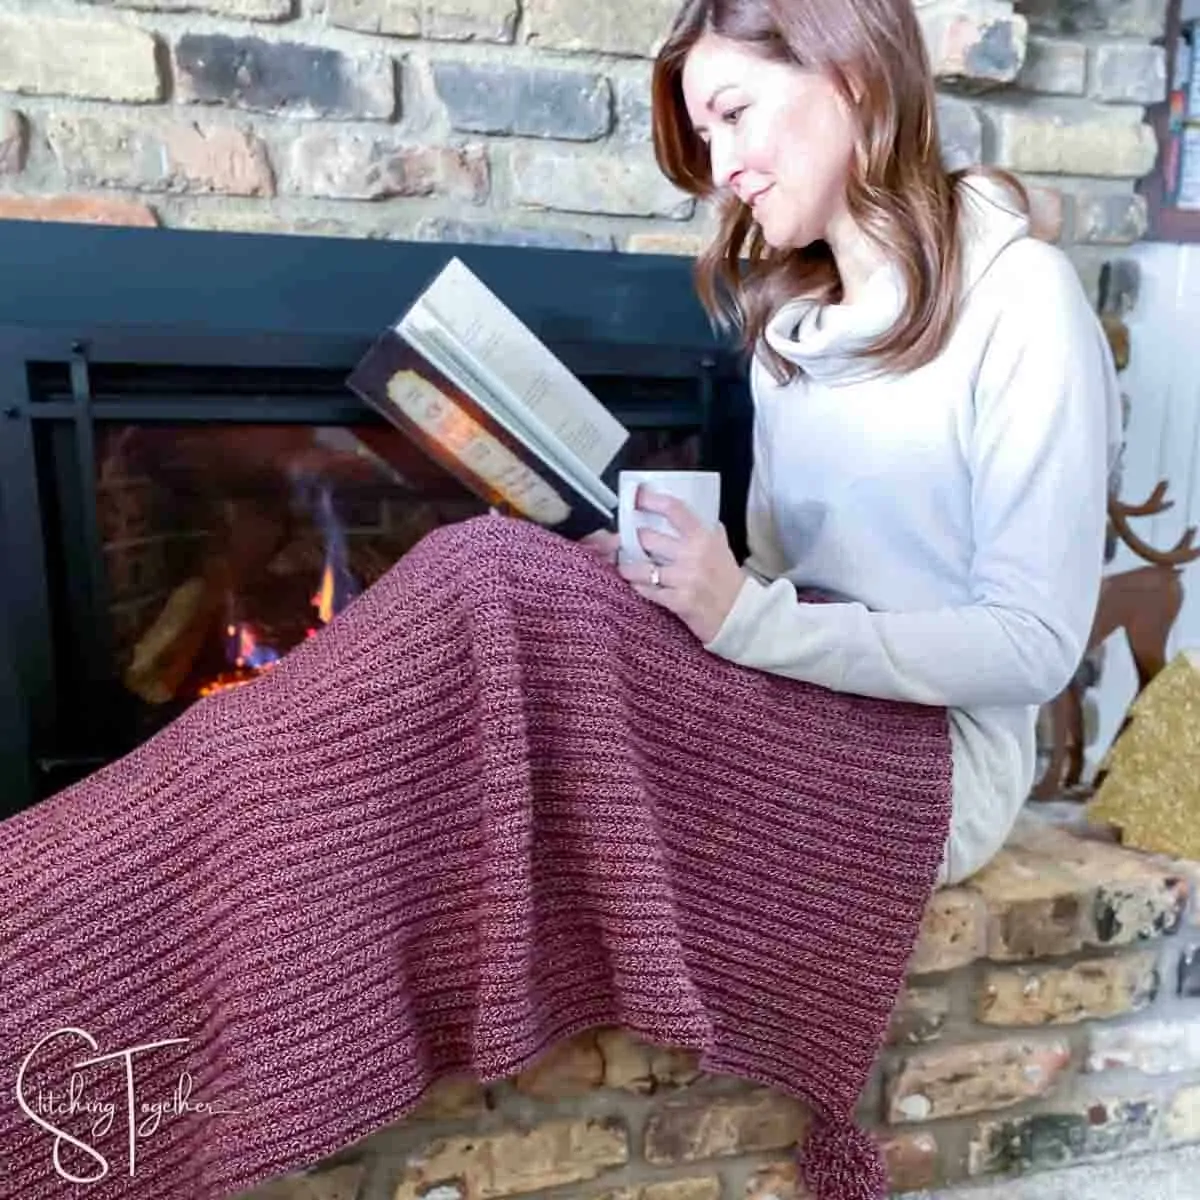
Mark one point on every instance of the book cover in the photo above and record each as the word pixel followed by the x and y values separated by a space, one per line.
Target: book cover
pixel 463 437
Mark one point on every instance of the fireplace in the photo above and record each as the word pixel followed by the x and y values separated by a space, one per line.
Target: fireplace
pixel 188 488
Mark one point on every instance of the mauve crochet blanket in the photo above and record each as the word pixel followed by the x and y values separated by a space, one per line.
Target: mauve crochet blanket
pixel 500 799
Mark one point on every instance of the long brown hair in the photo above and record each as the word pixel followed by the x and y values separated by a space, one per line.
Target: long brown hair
pixel 898 192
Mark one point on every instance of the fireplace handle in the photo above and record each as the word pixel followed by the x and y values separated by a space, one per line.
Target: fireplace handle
pixel 706 394
pixel 98 648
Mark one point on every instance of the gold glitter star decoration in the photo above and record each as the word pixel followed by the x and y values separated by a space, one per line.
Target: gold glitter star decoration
pixel 1149 781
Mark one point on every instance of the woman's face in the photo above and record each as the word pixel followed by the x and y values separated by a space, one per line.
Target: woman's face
pixel 779 136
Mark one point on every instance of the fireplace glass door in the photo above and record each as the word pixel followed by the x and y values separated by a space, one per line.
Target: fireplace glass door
pixel 198 525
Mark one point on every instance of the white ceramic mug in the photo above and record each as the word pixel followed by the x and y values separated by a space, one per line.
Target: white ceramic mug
pixel 699 490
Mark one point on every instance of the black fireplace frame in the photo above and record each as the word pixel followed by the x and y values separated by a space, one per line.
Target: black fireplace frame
pixel 297 313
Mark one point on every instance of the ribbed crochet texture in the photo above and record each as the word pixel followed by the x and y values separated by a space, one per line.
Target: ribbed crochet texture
pixel 500 799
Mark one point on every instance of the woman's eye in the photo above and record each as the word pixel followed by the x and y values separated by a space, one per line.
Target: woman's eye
pixel 731 116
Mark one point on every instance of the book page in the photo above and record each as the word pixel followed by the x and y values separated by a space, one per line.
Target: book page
pixel 508 349
pixel 432 340
pixel 468 442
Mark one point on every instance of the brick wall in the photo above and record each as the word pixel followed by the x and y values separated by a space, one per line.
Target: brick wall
pixel 1052 1016
pixel 501 120
pixel 1053 1008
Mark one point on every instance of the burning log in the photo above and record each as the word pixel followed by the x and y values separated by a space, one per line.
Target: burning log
pixel 274 582
pixel 165 654
pixel 281 566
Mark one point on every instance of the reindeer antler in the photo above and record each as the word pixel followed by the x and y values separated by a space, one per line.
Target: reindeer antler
pixel 1119 513
pixel 1154 504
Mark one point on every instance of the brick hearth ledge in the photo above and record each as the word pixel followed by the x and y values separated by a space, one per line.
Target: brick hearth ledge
pixel 1052 1016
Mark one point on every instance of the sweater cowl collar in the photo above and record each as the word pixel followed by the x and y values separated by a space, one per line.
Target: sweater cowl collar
pixel 826 340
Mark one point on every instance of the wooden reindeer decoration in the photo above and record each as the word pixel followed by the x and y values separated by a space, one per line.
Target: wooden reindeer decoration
pixel 1143 603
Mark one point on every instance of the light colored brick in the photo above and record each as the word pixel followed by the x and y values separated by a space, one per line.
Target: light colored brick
pixel 1061 1136
pixel 636 1066
pixel 702 1187
pixel 359 167
pixel 1181 1122
pixel 224 216
pixel 453 21
pixel 14 140
pixel 1047 212
pixel 452 1097
pixel 983 41
pixel 470 20
pixel 626 1061
pixel 1133 897
pixel 689 245
pixel 1102 987
pixel 160 156
pixel 960 133
pixel 919 1016
pixel 570 1068
pixel 1034 908
pixel 953 932
pixel 85 210
pixel 766 1120
pixel 1129 73
pixel 634 121
pixel 498 233
pixel 776 1181
pixel 627 27
pixel 587 181
pixel 1114 18
pixel 1113 219
pixel 393 18
pixel 976 1077
pixel 243 10
pixel 524 101
pixel 501 1164
pixel 1049 143
pixel 1054 66
pixel 1151 1047
pixel 72 56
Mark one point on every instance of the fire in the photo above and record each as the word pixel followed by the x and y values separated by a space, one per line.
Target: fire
pixel 249 657
pixel 247 651
pixel 323 597
pixel 247 654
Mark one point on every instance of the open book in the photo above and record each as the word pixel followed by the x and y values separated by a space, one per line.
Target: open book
pixel 472 385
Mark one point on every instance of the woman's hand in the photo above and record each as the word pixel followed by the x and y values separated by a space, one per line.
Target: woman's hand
pixel 602 544
pixel 697 576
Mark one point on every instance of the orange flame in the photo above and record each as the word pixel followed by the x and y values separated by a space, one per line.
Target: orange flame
pixel 243 639
pixel 322 599
pixel 249 657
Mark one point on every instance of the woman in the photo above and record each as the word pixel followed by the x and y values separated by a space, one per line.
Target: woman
pixel 936 409
pixel 501 799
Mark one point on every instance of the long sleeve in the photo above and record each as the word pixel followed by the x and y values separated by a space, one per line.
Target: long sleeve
pixel 1044 413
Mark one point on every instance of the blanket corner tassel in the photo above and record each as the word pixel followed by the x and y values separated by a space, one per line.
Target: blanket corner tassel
pixel 839 1160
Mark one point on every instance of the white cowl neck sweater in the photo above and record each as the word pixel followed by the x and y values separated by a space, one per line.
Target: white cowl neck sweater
pixel 954 514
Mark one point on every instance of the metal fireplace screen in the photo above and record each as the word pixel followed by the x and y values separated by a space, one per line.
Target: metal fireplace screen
pixel 199 523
